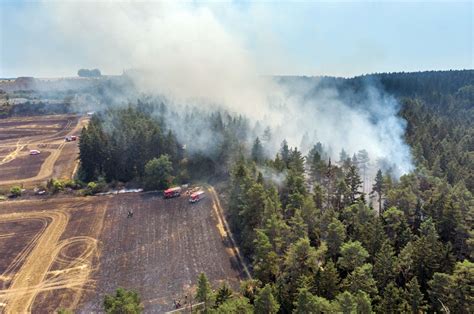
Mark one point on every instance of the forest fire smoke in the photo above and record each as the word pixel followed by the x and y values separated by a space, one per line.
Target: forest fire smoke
pixel 187 55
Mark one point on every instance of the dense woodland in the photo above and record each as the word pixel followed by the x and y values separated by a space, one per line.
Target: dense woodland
pixel 315 242
pixel 119 142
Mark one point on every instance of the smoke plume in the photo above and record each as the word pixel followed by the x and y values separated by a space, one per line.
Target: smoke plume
pixel 184 53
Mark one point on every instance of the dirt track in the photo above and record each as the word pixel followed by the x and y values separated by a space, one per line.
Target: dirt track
pixel 53 266
pixel 28 281
pixel 45 133
pixel 70 252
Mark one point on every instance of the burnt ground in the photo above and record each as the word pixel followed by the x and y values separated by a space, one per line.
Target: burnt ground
pixel 14 240
pixel 49 249
pixel 70 252
pixel 58 158
pixel 12 129
pixel 22 167
pixel 161 250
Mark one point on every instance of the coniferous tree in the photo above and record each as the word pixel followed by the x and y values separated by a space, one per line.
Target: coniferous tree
pixel 335 237
pixel 352 256
pixel 363 303
pixel 345 302
pixel 353 183
pixel 415 297
pixel 235 305
pixel 427 253
pixel 327 281
pixel 363 164
pixel 392 300
pixel 204 292
pixel 301 262
pixel 285 152
pixel 266 261
pixel 257 151
pixel 265 302
pixel 306 302
pixel 343 156
pixel 361 279
pixel 378 188
pixel 385 266
pixel 396 227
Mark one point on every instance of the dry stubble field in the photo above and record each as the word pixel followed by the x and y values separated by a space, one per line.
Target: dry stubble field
pixel 70 252
pixel 58 158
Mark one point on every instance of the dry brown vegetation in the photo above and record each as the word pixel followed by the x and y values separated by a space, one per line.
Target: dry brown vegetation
pixel 45 133
pixel 70 252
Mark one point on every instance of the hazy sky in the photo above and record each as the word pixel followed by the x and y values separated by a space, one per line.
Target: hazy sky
pixel 308 38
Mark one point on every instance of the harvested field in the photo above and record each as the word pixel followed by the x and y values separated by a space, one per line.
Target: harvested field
pixel 39 127
pixel 70 252
pixel 54 253
pixel 21 167
pixel 45 133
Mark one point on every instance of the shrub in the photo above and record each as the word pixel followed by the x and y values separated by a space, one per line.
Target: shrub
pixel 54 186
pixel 95 187
pixel 15 191
pixel 124 301
pixel 72 184
pixel 91 188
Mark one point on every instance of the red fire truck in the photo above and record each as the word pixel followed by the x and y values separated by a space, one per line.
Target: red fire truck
pixel 172 192
pixel 197 196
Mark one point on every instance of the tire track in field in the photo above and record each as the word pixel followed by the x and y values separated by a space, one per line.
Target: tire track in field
pixel 46 170
pixel 26 283
pixel 14 265
pixel 11 156
pixel 47 167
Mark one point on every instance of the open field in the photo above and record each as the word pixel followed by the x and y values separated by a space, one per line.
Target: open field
pixel 70 252
pixel 45 133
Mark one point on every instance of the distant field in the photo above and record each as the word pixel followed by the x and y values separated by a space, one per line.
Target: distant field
pixel 45 133
pixel 70 252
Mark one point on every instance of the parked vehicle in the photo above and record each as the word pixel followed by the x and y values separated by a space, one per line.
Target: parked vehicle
pixel 172 192
pixel 34 152
pixel 197 196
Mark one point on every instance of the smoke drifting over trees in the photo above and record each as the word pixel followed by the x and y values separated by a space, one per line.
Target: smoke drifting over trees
pixel 183 53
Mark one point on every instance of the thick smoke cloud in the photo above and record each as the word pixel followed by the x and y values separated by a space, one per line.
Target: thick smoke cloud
pixel 184 53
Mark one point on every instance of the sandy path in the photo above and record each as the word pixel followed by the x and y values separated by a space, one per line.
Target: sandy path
pixel 25 284
pixel 225 232
pixel 11 156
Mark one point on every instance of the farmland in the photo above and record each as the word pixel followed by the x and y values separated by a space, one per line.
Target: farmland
pixel 70 252
pixel 44 133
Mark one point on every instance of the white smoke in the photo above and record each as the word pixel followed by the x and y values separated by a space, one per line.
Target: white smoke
pixel 184 52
